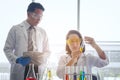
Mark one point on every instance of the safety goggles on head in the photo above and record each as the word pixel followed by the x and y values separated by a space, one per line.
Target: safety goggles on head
pixel 70 41
pixel 36 16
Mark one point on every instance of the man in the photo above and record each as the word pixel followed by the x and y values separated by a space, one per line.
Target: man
pixel 19 42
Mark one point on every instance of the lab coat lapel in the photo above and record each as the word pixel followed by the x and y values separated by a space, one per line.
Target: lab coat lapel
pixel 24 31
pixel 25 34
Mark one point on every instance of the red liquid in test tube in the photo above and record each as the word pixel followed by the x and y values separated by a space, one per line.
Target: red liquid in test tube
pixel 66 77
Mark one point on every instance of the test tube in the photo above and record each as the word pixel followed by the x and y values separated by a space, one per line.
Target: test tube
pixel 67 72
pixel 66 77
pixel 74 74
pixel 77 72
pixel 83 75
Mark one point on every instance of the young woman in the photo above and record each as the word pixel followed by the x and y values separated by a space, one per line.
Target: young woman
pixel 75 55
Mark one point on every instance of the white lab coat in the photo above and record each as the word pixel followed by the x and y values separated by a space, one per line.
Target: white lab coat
pixel 89 62
pixel 17 43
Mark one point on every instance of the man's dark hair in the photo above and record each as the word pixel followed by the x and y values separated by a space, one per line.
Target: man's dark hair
pixel 32 6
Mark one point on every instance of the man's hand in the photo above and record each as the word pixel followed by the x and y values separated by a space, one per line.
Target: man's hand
pixel 23 60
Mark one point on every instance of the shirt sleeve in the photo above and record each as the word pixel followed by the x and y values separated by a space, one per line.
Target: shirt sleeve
pixel 97 61
pixel 61 67
pixel 10 46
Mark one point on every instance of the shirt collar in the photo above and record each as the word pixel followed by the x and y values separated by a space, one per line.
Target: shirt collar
pixel 27 25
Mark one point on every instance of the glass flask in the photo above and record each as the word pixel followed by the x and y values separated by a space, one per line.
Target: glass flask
pixel 31 73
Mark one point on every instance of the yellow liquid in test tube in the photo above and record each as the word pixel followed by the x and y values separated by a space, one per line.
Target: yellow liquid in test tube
pixel 78 78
